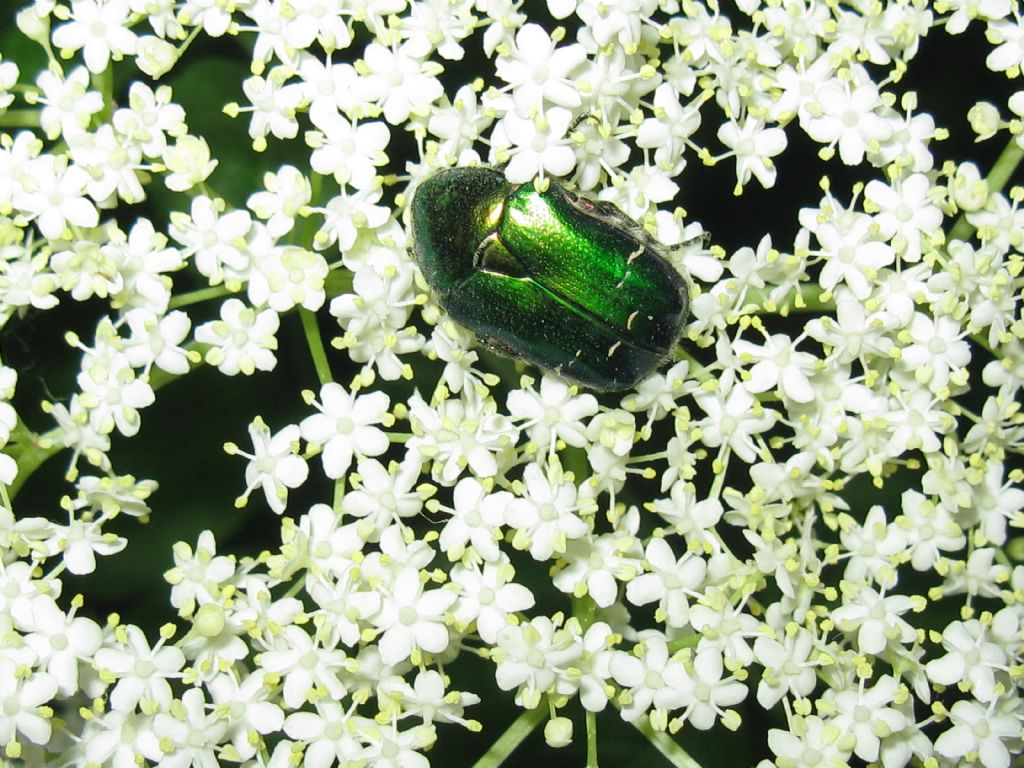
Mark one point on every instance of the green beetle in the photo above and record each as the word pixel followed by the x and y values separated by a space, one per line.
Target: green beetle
pixel 569 284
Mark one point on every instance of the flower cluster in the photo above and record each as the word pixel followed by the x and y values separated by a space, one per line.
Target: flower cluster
pixel 809 511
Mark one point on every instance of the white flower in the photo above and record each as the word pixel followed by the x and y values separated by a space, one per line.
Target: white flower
pixel 849 115
pixel 621 22
pixel 689 517
pixel 82 539
pixel 328 732
pixel 916 421
pixel 242 341
pixel 778 364
pixel 546 516
pixel 274 104
pixel 411 619
pixel 724 626
pixel 875 617
pixel 349 215
pixel 874 547
pixel 119 738
pixel 535 145
pixel 671 127
pixel 476 521
pixel 595 666
pixel 437 25
pixel 868 714
pixel 330 87
pixel 100 27
pixel 651 678
pixel 708 693
pixel 347 150
pixel 753 145
pixel 246 707
pixel 426 698
pixel 346 426
pixel 733 418
pixel 141 671
pixel 8 77
pixel 535 658
pixel 214 18
pixel 597 563
pixel 981 730
pixel 537 71
pixel 68 103
pixel 287 192
pixel 668 580
pixel 155 56
pixel 853 333
pixel 215 239
pixel 554 413
pixel 383 494
pixel 157 340
pixel 56 199
pixel 929 529
pixel 22 696
pixel 460 125
pixel 400 82
pixel 85 271
pixel 970 657
pixel 305 665
pixel 488 597
pixel 456 435
pixel 189 163
pixel 906 213
pixel 112 393
pixel 149 118
pixel 198 575
pixel 811 739
pixel 937 351
pixel 330 547
pixel 61 642
pixel 1008 34
pixel 190 732
pixel 113 163
pixel 273 464
pixel 788 666
pixel 373 318
pixel 142 257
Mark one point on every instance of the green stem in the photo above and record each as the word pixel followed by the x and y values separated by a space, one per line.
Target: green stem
pixel 513 736
pixel 316 345
pixel 20 118
pixel 591 740
pixel 27 449
pixel 997 179
pixel 665 744
pixel 585 610
pixel 194 297
pixel 1005 166
pixel 104 83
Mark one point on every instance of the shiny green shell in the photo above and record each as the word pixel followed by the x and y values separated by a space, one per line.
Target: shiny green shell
pixel 571 285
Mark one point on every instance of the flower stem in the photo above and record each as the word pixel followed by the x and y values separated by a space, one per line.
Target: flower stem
pixel 29 450
pixel 591 740
pixel 1005 166
pixel 194 297
pixel 665 744
pixel 20 118
pixel 511 738
pixel 316 345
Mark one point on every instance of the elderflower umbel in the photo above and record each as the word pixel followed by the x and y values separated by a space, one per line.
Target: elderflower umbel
pixel 801 526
